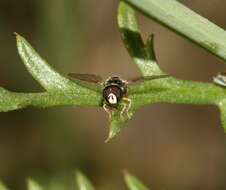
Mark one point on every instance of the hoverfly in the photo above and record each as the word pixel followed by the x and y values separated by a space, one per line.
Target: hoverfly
pixel 114 89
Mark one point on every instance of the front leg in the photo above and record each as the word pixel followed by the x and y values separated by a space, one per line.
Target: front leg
pixel 126 107
pixel 109 109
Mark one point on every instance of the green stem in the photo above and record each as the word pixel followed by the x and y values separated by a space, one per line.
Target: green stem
pixel 178 92
pixel 12 101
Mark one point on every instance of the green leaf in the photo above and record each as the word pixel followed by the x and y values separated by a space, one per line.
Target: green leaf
pixel 43 72
pixel 185 22
pixel 118 122
pixel 167 90
pixel 82 182
pixel 33 185
pixel 142 54
pixel 133 183
pixel 39 69
pixel 60 90
pixel 3 187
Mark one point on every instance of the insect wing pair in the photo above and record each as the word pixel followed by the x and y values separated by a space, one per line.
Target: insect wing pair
pixel 114 88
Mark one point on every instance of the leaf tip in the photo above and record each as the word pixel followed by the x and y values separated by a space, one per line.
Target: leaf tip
pixel 133 183
pixel 33 185
pixel 111 135
pixel 19 39
pixel 127 175
pixel 115 128
pixel 82 181
pixel 78 174
pixel 18 36
pixel 118 122
pixel 80 177
pixel 2 186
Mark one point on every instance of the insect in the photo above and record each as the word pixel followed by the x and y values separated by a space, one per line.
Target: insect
pixel 220 79
pixel 114 90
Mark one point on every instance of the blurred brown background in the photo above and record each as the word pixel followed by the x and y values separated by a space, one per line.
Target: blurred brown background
pixel 168 147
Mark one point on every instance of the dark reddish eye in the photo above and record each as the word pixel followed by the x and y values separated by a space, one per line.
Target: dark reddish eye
pixel 111 93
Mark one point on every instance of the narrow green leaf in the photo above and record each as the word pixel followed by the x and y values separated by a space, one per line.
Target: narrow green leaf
pixel 186 22
pixel 118 122
pixel 60 90
pixel 39 68
pixel 3 187
pixel 142 54
pixel 133 183
pixel 33 185
pixel 82 182
pixel 169 90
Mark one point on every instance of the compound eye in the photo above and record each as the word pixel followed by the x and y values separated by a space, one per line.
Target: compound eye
pixel 112 99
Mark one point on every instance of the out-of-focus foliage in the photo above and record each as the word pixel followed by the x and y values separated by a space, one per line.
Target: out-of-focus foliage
pixel 83 183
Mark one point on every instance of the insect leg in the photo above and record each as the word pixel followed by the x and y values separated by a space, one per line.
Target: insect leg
pixel 108 110
pixel 126 107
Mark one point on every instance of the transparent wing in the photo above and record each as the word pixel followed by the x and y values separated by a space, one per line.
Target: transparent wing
pixel 90 81
pixel 138 80
pixel 86 77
